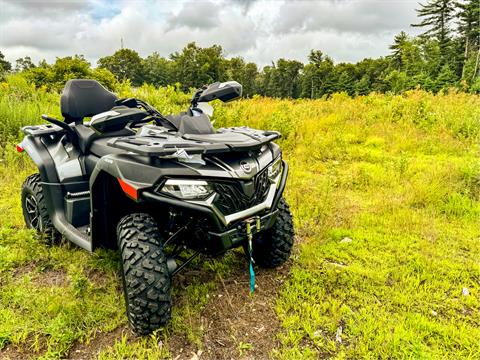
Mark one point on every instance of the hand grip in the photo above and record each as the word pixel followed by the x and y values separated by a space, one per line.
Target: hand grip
pixel 70 132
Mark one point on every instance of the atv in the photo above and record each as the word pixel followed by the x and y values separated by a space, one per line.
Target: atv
pixel 160 189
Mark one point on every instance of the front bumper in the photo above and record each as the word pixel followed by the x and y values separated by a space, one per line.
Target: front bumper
pixel 221 221
pixel 235 237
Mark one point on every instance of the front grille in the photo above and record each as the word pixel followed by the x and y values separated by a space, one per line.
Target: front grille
pixel 233 197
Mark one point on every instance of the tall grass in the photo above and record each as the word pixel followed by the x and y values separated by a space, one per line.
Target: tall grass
pixel 385 192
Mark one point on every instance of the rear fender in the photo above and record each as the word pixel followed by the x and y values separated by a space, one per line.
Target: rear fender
pixel 52 189
pixel 38 152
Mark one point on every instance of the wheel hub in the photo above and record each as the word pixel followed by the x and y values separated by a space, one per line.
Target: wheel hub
pixel 33 213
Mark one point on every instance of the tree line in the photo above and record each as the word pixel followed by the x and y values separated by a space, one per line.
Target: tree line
pixel 445 55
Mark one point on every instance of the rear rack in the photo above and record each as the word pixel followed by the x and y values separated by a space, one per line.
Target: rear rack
pixel 40 130
pixel 225 140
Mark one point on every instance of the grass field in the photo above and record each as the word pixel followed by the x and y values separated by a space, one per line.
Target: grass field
pixel 385 192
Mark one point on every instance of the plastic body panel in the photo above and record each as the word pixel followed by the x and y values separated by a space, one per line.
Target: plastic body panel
pixel 143 171
pixel 77 211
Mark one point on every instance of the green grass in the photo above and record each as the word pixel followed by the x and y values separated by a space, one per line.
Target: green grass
pixel 397 175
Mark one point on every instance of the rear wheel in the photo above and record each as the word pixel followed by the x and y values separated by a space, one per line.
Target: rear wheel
pixel 34 207
pixel 146 279
pixel 273 247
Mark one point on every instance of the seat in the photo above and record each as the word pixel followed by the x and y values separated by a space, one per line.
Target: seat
pixel 83 98
pixel 87 137
pixel 174 120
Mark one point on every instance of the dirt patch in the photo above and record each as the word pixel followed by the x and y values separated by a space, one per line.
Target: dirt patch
pixel 100 278
pixel 51 278
pixel 237 324
pixel 13 353
pixel 47 278
pixel 27 350
pixel 20 271
pixel 56 277
pixel 237 319
pixel 100 341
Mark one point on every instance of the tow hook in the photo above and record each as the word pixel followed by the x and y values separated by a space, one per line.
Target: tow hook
pixel 248 223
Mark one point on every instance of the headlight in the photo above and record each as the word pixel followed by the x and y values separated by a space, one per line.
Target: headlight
pixel 275 168
pixel 187 189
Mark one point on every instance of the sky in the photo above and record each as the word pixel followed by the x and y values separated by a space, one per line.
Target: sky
pixel 259 31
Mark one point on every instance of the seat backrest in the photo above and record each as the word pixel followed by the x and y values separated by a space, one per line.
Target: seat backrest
pixel 84 97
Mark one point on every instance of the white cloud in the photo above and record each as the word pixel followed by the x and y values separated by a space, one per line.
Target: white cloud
pixel 365 16
pixel 196 15
pixel 260 31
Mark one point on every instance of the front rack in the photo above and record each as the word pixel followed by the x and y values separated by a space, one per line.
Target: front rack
pixel 225 140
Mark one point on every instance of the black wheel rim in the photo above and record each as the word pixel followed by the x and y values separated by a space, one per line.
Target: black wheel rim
pixel 33 213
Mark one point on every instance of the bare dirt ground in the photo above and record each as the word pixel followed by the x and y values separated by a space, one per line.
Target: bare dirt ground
pixel 90 350
pixel 234 319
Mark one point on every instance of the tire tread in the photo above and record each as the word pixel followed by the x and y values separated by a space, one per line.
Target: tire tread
pixel 145 273
pixel 277 243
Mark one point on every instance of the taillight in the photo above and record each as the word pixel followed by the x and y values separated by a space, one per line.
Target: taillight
pixel 19 148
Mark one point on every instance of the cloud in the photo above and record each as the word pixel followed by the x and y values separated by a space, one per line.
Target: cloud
pixel 196 15
pixel 46 7
pixel 260 31
pixel 365 17
pixel 244 4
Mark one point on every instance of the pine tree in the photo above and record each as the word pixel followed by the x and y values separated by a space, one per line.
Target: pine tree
pixel 445 78
pixel 397 49
pixel 362 87
pixel 469 21
pixel 437 16
pixel 469 31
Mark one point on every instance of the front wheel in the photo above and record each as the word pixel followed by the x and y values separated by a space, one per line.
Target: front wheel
pixel 146 279
pixel 273 247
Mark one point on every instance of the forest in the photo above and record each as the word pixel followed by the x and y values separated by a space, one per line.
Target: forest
pixel 446 55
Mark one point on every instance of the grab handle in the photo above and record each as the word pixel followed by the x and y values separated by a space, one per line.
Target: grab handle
pixel 70 132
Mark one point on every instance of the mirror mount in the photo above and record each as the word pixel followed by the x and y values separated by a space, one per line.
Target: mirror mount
pixel 226 91
pixel 197 95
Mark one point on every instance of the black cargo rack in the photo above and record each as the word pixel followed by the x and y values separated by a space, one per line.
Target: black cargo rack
pixel 40 130
pixel 240 140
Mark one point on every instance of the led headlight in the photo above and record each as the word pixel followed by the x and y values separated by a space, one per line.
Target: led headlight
pixel 275 168
pixel 187 189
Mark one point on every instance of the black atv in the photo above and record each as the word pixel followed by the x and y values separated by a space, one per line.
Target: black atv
pixel 161 189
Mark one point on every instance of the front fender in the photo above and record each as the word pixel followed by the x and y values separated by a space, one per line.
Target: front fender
pixel 110 200
pixel 140 172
